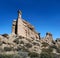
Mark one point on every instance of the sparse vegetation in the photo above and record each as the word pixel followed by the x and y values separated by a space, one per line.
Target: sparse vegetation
pixel 19 45
pixel 1 43
pixel 16 41
pixel 18 49
pixel 58 50
pixel 20 37
pixel 44 44
pixel 49 50
pixel 33 55
pixel 46 55
pixel 28 45
pixel 5 35
pixel 21 42
pixel 53 46
pixel 36 43
pixel 9 56
pixel 7 48
pixel 6 56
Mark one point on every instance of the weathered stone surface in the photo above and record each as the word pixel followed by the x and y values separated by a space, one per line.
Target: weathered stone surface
pixel 48 38
pixel 23 28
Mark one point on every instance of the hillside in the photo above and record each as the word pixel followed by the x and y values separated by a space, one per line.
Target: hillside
pixel 20 47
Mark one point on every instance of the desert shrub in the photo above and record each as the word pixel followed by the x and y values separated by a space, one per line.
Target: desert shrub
pixel 34 43
pixel 1 43
pixel 5 56
pixel 53 46
pixel 16 41
pixel 46 55
pixel 17 56
pixel 58 50
pixel 1 50
pixel 21 49
pixel 49 55
pixel 18 49
pixel 44 44
pixel 20 37
pixel 28 45
pixel 21 42
pixel 55 55
pixel 23 54
pixel 33 54
pixel 5 35
pixel 9 56
pixel 24 49
pixel 7 48
pixel 49 50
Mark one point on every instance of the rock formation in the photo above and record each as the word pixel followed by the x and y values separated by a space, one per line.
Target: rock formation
pixel 24 39
pixel 23 28
pixel 48 38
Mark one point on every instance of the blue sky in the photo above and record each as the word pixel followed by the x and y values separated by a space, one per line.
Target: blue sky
pixel 43 14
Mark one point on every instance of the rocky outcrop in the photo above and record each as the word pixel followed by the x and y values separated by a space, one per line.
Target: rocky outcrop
pixel 48 38
pixel 14 43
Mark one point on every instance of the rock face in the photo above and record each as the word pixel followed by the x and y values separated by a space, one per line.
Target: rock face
pixel 48 38
pixel 58 42
pixel 23 28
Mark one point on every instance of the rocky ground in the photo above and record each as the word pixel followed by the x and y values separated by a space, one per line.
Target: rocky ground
pixel 21 47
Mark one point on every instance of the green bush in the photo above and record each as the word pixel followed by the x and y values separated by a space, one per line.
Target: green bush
pixel 7 48
pixel 16 41
pixel 1 50
pixel 9 56
pixel 28 45
pixel 34 43
pixel 18 49
pixel 46 55
pixel 58 50
pixel 21 42
pixel 20 37
pixel 49 50
pixel 53 46
pixel 6 56
pixel 33 54
pixel 23 54
pixel 1 43
pixel 49 55
pixel 24 49
pixel 44 44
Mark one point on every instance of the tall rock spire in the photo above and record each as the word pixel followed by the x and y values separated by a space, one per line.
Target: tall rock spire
pixel 19 13
pixel 20 29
